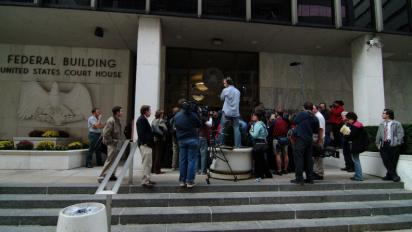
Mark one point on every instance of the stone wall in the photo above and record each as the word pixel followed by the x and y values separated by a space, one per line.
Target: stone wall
pixel 28 87
pixel 325 79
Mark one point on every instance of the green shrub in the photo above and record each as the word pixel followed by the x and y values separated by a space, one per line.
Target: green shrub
pixel 51 134
pixel 24 145
pixel 60 148
pixel 406 147
pixel 45 145
pixel 6 145
pixel 75 145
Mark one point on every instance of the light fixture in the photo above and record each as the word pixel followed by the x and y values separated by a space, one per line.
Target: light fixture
pixel 198 97
pixel 201 86
pixel 295 63
pixel 99 32
pixel 217 41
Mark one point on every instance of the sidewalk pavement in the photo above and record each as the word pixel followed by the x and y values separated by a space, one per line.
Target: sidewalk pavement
pixel 88 177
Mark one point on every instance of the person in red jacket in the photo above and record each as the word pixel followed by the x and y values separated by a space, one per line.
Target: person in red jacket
pixel 335 119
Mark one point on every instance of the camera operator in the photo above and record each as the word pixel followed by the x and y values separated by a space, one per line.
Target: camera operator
pixel 187 122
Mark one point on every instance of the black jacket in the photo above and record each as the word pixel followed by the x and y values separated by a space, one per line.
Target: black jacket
pixel 355 138
pixel 187 125
pixel 307 125
pixel 144 132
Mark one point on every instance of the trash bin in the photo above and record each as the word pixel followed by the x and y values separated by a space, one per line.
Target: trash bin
pixel 84 217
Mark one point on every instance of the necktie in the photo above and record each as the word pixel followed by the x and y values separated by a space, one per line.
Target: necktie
pixel 385 132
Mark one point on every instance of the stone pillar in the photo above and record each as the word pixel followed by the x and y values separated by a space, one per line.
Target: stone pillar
pixel 148 68
pixel 367 78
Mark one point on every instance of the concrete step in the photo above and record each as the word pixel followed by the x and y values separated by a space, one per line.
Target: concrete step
pixel 202 187
pixel 337 224
pixel 202 199
pixel 198 214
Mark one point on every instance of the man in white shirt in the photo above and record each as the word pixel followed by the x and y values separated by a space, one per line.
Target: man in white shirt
pixel 230 112
pixel 318 171
pixel 95 131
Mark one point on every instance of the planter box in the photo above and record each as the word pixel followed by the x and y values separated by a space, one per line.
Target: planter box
pixel 20 159
pixel 240 160
pixel 37 140
pixel 372 164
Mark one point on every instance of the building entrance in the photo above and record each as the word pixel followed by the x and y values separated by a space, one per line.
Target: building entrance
pixel 197 75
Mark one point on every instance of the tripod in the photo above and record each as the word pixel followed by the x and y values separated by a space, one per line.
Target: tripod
pixel 216 153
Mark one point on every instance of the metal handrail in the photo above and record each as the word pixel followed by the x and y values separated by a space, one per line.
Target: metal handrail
pixel 102 189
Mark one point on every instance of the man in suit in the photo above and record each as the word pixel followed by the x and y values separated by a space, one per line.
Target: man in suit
pixel 145 141
pixel 389 140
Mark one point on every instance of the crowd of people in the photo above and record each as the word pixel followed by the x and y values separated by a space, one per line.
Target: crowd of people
pixel 278 138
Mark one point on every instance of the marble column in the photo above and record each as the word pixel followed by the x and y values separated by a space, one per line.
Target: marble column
pixel 367 76
pixel 148 68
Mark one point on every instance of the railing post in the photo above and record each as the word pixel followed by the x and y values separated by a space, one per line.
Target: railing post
pixel 133 148
pixel 109 212
pixel 199 8
pixel 294 13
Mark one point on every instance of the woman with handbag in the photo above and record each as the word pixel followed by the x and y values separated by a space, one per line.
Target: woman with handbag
pixel 159 129
pixel 259 133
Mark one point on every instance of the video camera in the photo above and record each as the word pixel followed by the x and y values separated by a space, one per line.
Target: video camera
pixel 330 152
pixel 191 106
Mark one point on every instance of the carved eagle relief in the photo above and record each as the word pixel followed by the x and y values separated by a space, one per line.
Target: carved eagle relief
pixel 55 107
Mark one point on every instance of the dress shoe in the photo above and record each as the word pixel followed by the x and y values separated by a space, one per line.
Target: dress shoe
pixel 295 181
pixel 100 179
pixel 350 170
pixel 113 178
pixel 279 173
pixel 344 169
pixel 396 179
pixel 309 181
pixel 152 182
pixel 147 185
pixel 285 172
pixel 317 177
pixel 89 166
pixel 387 178
pixel 355 179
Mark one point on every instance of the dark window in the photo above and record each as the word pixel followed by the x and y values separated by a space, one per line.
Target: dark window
pixel 68 3
pixel 198 74
pixel 16 1
pixel 396 15
pixel 271 10
pixel 358 14
pixel 124 5
pixel 174 6
pixel 318 12
pixel 234 9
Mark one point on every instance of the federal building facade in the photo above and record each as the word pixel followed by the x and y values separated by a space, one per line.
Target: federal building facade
pixel 60 58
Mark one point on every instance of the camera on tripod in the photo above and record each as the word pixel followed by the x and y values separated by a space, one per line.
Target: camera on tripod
pixel 330 152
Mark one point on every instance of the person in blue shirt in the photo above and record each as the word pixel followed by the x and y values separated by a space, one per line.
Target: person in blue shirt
pixel 230 112
pixel 306 125
pixel 258 132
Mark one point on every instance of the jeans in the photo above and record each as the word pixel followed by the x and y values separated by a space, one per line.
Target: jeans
pixel 358 168
pixel 188 152
pixel 94 148
pixel 203 157
pixel 236 131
